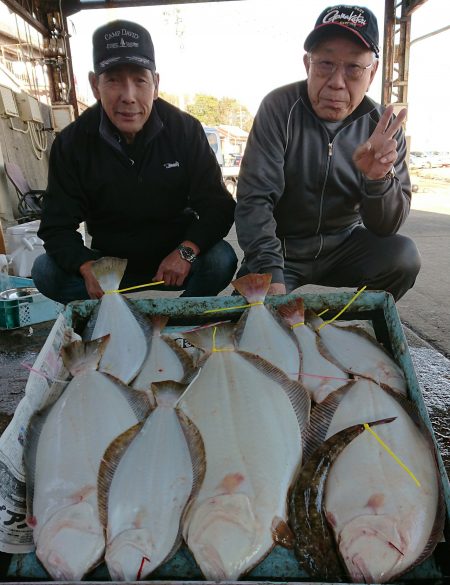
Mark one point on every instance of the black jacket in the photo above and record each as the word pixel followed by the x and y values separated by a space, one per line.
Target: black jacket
pixel 139 205
pixel 299 193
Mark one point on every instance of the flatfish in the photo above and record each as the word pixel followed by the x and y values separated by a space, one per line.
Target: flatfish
pixel 359 353
pixel 64 447
pixel 145 481
pixel 383 497
pixel 165 360
pixel 314 543
pixel 319 375
pixel 251 417
pixel 115 316
pixel 261 331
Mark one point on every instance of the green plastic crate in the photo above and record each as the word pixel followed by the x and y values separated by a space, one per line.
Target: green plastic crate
pixel 28 310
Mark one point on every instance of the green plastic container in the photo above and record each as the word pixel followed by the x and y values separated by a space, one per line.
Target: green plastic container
pixel 28 310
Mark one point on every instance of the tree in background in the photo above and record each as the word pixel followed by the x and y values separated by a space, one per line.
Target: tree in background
pixel 213 111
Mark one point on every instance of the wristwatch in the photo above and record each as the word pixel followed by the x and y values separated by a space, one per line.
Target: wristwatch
pixel 187 253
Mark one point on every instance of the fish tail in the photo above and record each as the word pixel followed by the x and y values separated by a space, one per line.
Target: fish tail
pixel 253 287
pixel 109 271
pixel 159 322
pixel 82 356
pixel 293 312
pixel 168 393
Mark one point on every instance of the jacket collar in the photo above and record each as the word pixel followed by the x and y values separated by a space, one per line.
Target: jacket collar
pixel 103 125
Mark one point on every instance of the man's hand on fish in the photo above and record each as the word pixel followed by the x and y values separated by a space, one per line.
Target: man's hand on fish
pixel 376 157
pixel 277 288
pixel 93 288
pixel 174 270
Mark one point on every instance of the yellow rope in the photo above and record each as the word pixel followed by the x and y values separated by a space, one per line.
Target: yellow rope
pixel 297 324
pixel 232 308
pixel 214 349
pixel 344 309
pixel 120 290
pixel 392 454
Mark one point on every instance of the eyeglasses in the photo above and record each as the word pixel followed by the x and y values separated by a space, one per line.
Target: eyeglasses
pixel 352 71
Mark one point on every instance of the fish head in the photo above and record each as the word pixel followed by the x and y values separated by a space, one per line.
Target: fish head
pixel 373 547
pixel 130 556
pixel 71 542
pixel 223 534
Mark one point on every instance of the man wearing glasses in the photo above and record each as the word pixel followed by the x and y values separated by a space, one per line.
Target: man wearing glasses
pixel 324 187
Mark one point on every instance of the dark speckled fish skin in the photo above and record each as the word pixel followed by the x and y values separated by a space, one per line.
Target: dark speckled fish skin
pixel 314 544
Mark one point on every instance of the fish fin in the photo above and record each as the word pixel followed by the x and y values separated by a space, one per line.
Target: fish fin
pixel 320 420
pixel 253 287
pixel 142 402
pixel 109 271
pixel 88 328
pixel 80 356
pixel 159 322
pixel 281 533
pixel 197 451
pixel 436 532
pixel 315 546
pixel 186 360
pixel 293 312
pixel 108 466
pixel 296 392
pixel 240 327
pixel 167 393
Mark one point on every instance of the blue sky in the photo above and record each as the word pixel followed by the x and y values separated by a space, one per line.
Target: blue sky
pixel 245 48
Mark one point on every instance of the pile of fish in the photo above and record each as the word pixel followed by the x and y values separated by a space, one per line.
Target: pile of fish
pixel 284 430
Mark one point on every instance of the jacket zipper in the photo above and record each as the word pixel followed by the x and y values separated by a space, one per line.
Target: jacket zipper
pixel 330 153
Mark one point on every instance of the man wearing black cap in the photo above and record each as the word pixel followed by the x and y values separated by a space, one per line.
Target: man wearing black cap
pixel 323 186
pixel 142 175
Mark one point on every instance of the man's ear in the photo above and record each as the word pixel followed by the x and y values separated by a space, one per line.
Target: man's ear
pixel 306 62
pixel 156 82
pixel 93 81
pixel 373 70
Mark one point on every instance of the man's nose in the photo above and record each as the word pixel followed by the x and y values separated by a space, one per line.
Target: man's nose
pixel 337 78
pixel 128 91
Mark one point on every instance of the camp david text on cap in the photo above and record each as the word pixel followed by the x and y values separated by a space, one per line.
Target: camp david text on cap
pixel 358 20
pixel 122 42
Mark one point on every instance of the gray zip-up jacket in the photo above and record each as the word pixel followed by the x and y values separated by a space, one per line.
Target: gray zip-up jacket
pixel 299 193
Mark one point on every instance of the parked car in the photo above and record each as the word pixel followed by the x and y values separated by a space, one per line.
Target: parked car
pixel 421 160
pixel 418 162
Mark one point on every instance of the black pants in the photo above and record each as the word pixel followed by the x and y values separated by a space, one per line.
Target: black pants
pixel 388 263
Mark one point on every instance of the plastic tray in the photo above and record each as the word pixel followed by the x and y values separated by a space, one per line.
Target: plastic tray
pixel 28 310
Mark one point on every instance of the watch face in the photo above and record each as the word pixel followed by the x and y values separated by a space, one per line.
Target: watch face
pixel 187 253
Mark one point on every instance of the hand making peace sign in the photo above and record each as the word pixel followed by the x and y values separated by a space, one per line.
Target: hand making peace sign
pixel 376 157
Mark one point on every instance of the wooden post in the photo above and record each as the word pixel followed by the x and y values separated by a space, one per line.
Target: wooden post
pixel 2 240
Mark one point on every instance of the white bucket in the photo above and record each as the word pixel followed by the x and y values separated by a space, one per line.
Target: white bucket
pixel 23 247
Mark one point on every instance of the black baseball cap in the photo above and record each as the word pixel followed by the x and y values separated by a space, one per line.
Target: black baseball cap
pixel 122 42
pixel 358 20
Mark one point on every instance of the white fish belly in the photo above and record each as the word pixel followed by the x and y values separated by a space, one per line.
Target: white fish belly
pixel 148 493
pixel 315 365
pixel 85 419
pixel 127 347
pixel 253 449
pixel 161 364
pixel 360 355
pixel 265 337
pixel 381 517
